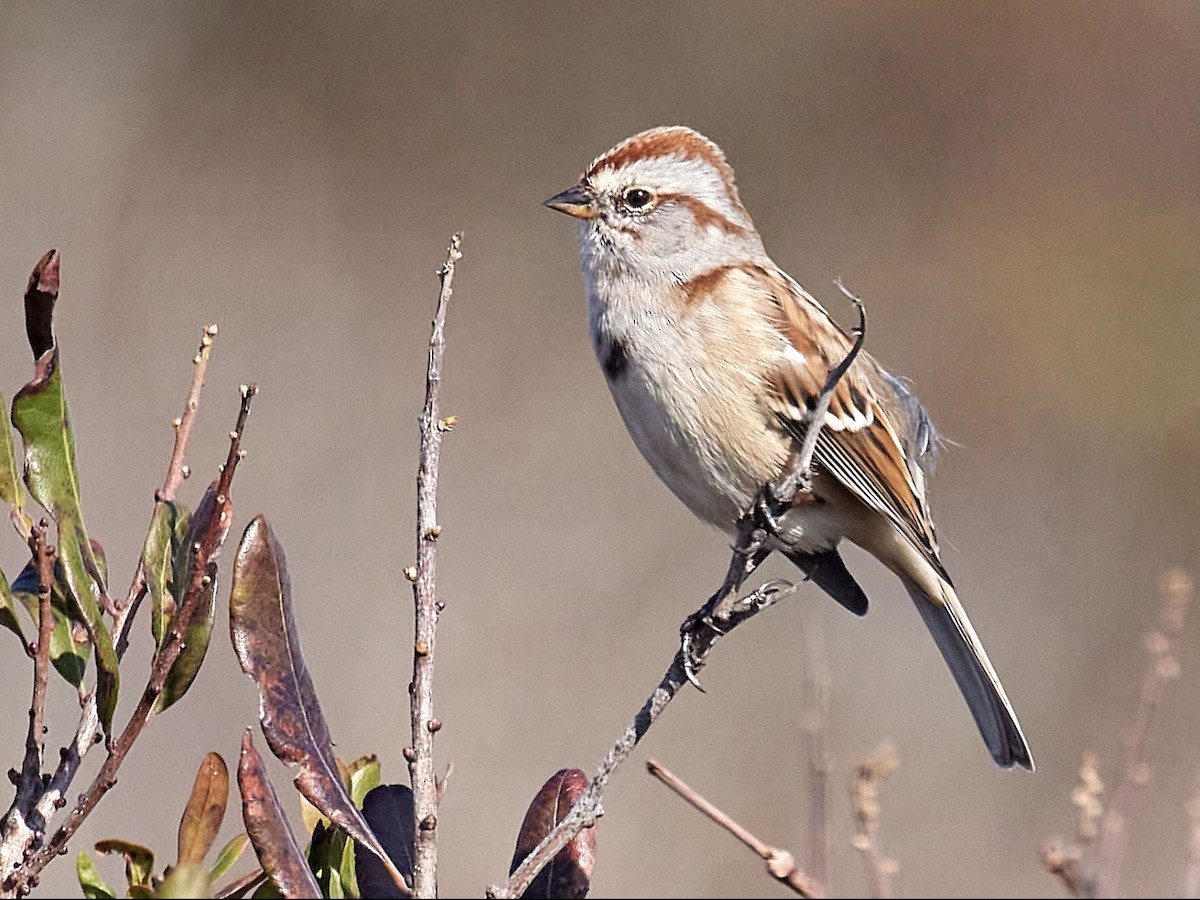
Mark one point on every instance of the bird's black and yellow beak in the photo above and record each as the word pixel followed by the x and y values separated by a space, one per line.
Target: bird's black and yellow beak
pixel 575 201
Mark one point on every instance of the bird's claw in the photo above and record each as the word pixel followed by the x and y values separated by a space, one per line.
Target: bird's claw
pixel 693 645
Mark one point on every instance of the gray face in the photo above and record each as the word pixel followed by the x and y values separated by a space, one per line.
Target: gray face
pixel 659 218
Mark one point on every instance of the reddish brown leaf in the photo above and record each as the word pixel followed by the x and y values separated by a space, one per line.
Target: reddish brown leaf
pixel 40 296
pixel 205 810
pixel 569 874
pixel 267 644
pixel 276 847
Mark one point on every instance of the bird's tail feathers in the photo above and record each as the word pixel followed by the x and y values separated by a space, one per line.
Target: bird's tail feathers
pixel 964 654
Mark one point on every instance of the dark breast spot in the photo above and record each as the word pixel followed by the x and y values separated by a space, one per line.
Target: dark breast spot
pixel 614 358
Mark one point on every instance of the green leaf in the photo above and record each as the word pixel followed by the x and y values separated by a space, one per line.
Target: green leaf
pixel 229 856
pixel 186 881
pixel 8 611
pixel 93 885
pixel 139 860
pixel 333 888
pixel 12 490
pixel 347 876
pixel 168 527
pixel 267 891
pixel 326 857
pixel 365 773
pixel 331 855
pixel 209 522
pixel 69 643
pixel 40 414
pixel 196 638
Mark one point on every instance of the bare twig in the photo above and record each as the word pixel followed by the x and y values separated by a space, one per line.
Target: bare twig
pixel 723 612
pixel 1066 861
pixel 780 863
pixel 31 768
pixel 21 826
pixel 1162 668
pixel 177 471
pixel 424 725
pixel 869 774
pixel 22 881
pixel 814 727
pixel 1190 883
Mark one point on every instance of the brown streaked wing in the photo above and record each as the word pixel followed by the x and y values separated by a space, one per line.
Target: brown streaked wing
pixel 858 443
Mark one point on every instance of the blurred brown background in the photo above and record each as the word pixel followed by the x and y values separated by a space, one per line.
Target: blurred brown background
pixel 1011 186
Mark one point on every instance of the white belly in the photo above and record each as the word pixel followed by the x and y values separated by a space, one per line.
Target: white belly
pixel 669 433
pixel 696 418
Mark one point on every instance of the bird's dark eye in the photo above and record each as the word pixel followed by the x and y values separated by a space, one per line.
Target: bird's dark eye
pixel 637 198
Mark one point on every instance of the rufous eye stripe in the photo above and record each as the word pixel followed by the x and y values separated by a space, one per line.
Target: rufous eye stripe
pixel 704 214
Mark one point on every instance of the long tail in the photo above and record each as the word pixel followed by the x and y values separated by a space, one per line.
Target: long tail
pixel 960 645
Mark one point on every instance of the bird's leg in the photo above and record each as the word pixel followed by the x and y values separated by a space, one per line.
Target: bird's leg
pixel 701 629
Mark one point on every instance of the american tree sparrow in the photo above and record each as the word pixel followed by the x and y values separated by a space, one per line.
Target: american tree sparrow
pixel 714 355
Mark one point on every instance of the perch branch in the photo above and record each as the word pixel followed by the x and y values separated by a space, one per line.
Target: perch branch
pixel 209 543
pixel 717 616
pixel 799 478
pixel 424 579
pixel 780 863
pixel 723 612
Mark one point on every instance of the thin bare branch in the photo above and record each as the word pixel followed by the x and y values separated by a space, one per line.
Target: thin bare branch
pixel 869 774
pixel 780 863
pixel 424 725
pixel 29 782
pixel 177 470
pixel 1064 862
pixel 814 729
pixel 1161 669
pixel 1067 861
pixel 31 770
pixel 1190 883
